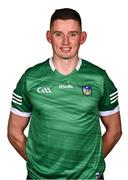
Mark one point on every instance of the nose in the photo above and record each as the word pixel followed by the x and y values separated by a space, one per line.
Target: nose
pixel 65 40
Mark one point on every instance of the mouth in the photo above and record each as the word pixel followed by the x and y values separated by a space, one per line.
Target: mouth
pixel 65 49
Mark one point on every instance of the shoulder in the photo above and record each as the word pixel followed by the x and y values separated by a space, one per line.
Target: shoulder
pixel 92 68
pixel 88 65
pixel 37 70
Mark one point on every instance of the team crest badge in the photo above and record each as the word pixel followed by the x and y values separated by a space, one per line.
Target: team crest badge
pixel 87 90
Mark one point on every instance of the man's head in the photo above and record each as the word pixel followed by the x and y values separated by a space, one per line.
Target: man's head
pixel 65 33
pixel 65 14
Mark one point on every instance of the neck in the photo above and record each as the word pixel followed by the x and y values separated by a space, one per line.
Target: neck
pixel 65 66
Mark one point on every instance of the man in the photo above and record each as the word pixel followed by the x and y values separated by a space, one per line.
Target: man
pixel 63 99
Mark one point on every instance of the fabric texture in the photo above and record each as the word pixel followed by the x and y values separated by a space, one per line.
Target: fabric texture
pixel 64 139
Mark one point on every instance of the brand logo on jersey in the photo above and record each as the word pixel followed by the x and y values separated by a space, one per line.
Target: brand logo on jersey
pixel 87 90
pixel 43 90
pixel 65 86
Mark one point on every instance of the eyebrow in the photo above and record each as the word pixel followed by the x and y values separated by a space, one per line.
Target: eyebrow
pixel 68 32
pixel 57 32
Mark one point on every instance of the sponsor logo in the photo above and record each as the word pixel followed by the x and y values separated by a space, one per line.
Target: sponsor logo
pixel 65 86
pixel 43 90
pixel 87 90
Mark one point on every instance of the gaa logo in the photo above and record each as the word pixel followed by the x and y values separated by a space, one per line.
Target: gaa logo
pixel 87 90
pixel 43 90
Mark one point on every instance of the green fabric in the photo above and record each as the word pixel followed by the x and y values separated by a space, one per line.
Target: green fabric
pixel 64 140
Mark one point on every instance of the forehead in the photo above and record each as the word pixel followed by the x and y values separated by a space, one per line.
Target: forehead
pixel 69 25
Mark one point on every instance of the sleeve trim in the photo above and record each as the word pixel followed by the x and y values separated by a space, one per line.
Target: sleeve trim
pixel 110 112
pixel 20 113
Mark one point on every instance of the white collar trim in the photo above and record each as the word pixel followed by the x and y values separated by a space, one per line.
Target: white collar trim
pixel 51 64
pixel 53 67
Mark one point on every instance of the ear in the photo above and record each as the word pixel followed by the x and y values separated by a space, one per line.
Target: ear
pixel 83 37
pixel 48 36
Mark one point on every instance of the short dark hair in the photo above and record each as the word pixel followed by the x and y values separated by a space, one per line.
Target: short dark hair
pixel 65 14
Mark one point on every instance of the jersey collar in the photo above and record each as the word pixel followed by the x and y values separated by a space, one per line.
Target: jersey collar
pixel 53 67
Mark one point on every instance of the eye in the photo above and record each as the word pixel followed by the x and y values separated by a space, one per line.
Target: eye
pixel 58 34
pixel 73 34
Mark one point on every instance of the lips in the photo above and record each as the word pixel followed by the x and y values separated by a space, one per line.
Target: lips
pixel 65 49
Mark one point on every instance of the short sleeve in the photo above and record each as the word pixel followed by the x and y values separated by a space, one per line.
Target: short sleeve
pixel 21 104
pixel 109 101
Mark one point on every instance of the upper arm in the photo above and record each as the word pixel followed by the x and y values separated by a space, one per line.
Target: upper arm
pixel 112 122
pixel 16 124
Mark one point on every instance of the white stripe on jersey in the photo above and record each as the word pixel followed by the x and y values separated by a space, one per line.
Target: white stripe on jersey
pixel 16 102
pixel 20 97
pixel 20 113
pixel 114 100
pixel 110 112
pixel 113 97
pixel 14 98
pixel 113 93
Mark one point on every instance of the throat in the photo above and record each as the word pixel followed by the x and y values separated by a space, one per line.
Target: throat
pixel 65 67
pixel 65 70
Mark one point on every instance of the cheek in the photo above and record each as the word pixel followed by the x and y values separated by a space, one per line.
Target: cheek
pixel 76 44
pixel 56 43
pixel 56 46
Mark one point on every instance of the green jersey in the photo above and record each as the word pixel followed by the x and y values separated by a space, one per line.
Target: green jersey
pixel 64 139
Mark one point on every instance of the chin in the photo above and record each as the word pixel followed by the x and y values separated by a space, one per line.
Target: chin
pixel 67 58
